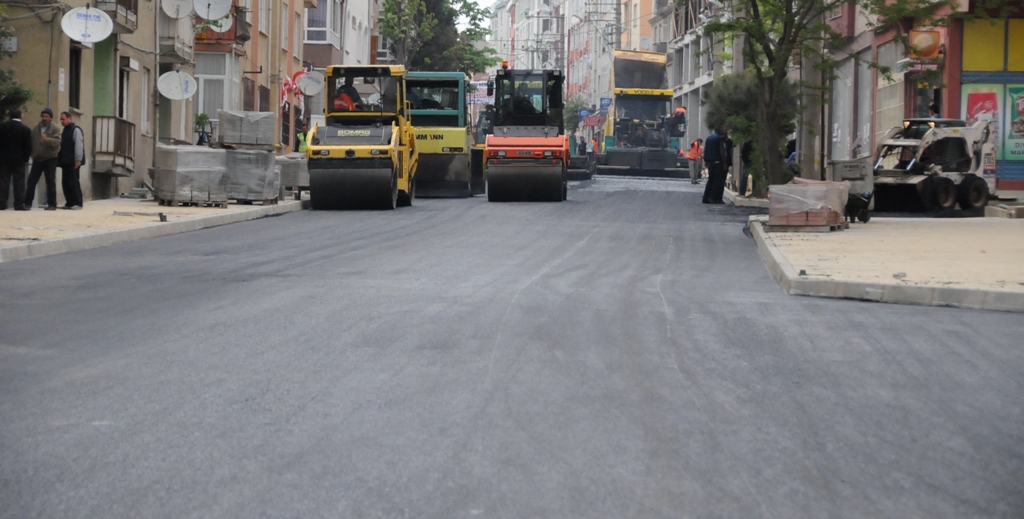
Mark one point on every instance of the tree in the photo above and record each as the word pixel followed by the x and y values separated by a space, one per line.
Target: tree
pixel 571 113
pixel 732 105
pixel 773 35
pixel 451 49
pixel 13 95
pixel 408 25
pixel 436 52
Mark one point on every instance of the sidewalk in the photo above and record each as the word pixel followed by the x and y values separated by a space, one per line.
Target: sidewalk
pixel 30 234
pixel 961 262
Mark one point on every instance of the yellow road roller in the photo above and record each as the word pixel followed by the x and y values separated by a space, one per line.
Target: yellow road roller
pixel 438 113
pixel 527 149
pixel 364 157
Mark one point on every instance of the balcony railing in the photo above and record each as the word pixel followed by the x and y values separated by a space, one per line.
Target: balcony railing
pixel 113 146
pixel 124 13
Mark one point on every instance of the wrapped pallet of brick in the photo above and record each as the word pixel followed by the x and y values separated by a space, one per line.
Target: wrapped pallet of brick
pixel 294 171
pixel 247 129
pixel 189 174
pixel 808 203
pixel 251 175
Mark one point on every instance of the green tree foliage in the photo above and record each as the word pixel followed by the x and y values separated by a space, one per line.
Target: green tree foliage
pixel 732 105
pixel 571 114
pixel 13 95
pixel 408 25
pixel 775 35
pixel 451 49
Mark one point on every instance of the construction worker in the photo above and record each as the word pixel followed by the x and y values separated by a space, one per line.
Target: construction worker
pixel 301 137
pixel 695 160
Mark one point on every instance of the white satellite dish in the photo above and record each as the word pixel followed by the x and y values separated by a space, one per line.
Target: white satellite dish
pixel 87 25
pixel 212 9
pixel 311 83
pixel 225 24
pixel 177 85
pixel 176 8
pixel 646 42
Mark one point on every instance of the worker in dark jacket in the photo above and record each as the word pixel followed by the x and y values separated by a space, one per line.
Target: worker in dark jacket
pixel 716 155
pixel 70 158
pixel 45 147
pixel 15 150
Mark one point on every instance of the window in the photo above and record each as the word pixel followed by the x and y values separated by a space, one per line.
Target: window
pixel 316 22
pixel 284 26
pixel 75 78
pixel 211 74
pixel 286 119
pixel 248 95
pixel 264 16
pixel 265 99
pixel 122 94
pixel 336 18
pixel 248 10
pixel 145 101
pixel 296 36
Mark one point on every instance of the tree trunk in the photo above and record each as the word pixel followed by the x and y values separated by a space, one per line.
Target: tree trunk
pixel 769 137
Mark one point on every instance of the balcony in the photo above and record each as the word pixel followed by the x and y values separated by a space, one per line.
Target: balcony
pixel 176 39
pixel 113 146
pixel 124 13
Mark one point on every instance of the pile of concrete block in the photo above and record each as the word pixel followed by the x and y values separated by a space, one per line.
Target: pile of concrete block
pixel 245 129
pixel 294 171
pixel 251 175
pixel 189 174
pixel 808 204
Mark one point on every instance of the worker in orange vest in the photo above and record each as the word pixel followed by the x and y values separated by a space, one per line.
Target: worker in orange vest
pixel 694 156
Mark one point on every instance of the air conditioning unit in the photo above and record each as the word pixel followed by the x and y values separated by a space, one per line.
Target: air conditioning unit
pixel 384 56
pixel 661 47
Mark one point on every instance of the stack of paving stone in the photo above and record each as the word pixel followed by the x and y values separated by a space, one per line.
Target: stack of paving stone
pixel 189 174
pixel 251 175
pixel 808 204
pixel 294 171
pixel 245 130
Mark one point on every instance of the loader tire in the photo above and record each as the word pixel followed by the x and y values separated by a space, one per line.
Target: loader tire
pixel 943 193
pixel 972 192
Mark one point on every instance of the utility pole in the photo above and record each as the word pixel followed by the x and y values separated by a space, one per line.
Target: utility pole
pixel 618 24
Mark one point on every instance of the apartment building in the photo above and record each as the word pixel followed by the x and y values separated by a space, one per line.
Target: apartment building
pixel 107 86
pixel 244 61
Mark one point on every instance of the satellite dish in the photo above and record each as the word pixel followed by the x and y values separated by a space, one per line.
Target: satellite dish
pixel 87 25
pixel 176 8
pixel 310 83
pixel 646 42
pixel 225 24
pixel 212 9
pixel 176 85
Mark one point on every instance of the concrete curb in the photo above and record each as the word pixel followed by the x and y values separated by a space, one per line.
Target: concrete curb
pixel 794 284
pixel 740 201
pixel 104 238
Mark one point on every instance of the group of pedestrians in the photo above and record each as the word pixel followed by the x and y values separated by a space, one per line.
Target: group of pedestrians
pixel 49 147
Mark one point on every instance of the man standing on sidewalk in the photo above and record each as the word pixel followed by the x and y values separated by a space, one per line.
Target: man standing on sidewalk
pixel 45 146
pixel 71 157
pixel 15 149
pixel 714 157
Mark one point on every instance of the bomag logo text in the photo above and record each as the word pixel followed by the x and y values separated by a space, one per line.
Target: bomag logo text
pixel 429 137
pixel 353 133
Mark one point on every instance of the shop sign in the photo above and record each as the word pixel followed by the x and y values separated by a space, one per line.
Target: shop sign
pixel 983 102
pixel 605 103
pixel 594 120
pixel 584 114
pixel 1013 145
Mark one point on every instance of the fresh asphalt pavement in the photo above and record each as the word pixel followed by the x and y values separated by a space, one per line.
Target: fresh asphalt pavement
pixel 622 354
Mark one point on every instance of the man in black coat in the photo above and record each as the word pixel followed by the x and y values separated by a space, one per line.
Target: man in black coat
pixel 15 150
pixel 717 159
pixel 70 158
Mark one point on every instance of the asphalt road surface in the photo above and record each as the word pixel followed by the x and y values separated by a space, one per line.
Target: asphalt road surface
pixel 623 354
